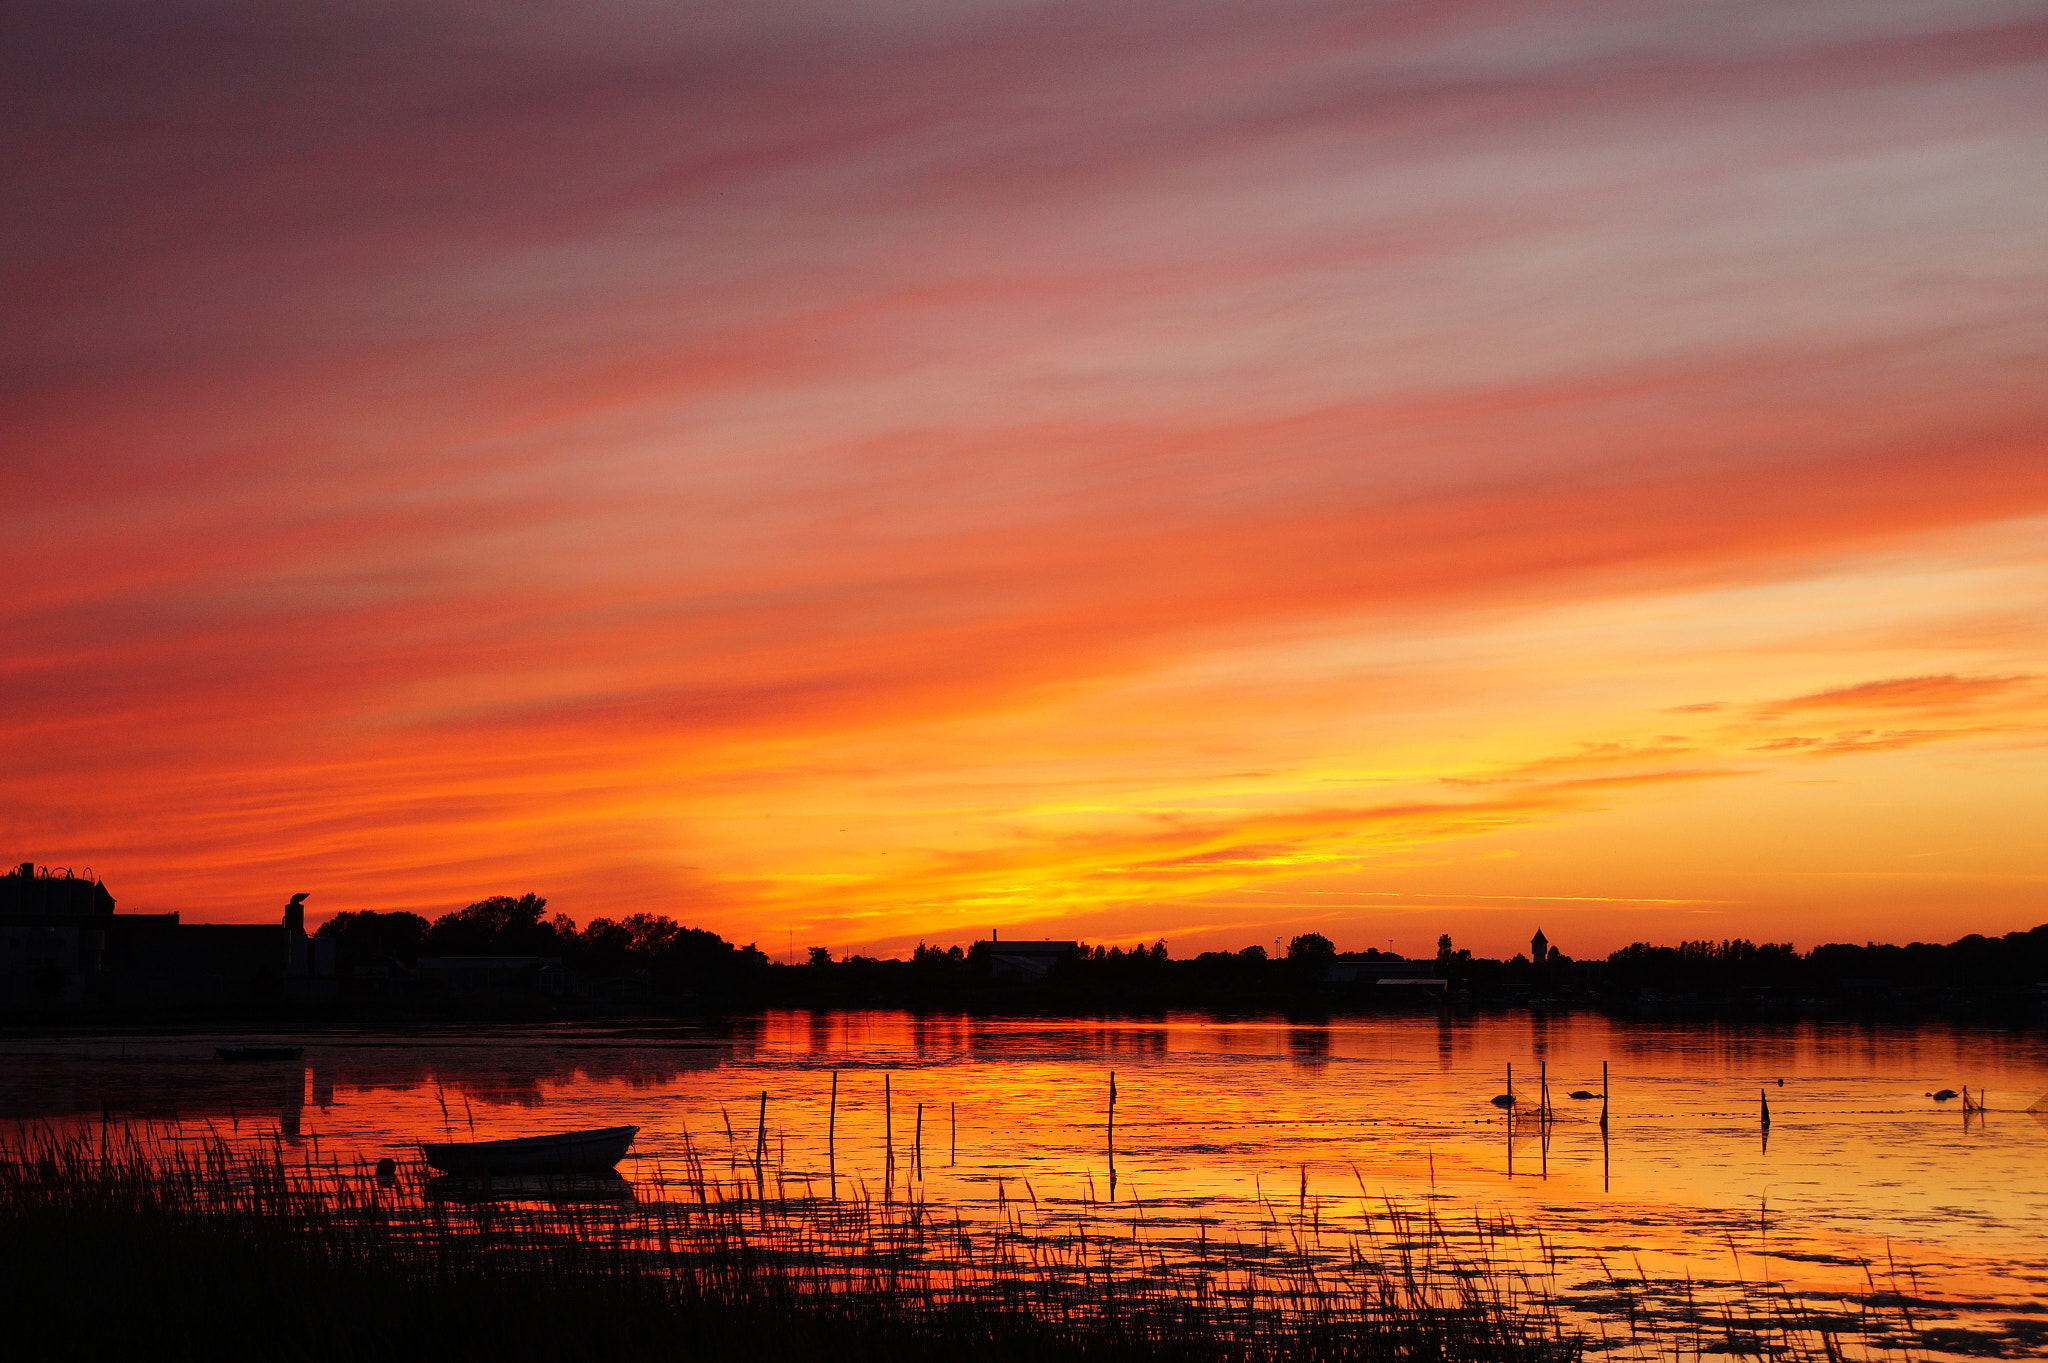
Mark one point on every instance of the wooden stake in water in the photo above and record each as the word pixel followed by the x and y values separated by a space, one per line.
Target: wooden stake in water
pixel 832 1136
pixel 1606 1166
pixel 918 1159
pixel 1543 1090
pixel 953 1152
pixel 761 1138
pixel 888 1126
pixel 1765 1099
pixel 1109 1132
pixel 1511 1118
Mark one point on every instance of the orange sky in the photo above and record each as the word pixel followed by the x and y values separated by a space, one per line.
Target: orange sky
pixel 841 474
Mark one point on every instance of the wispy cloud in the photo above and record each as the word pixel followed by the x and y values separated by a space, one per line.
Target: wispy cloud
pixel 692 457
pixel 1944 692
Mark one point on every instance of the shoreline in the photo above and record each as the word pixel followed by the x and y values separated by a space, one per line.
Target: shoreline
pixel 2007 1008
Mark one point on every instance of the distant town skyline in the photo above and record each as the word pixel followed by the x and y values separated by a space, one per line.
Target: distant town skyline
pixel 842 475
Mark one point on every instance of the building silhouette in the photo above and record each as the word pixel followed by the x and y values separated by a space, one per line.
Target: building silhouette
pixel 61 942
pixel 1024 962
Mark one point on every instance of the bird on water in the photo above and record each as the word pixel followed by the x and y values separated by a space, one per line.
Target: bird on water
pixel 1504 1100
pixel 1582 1095
pixel 1942 1095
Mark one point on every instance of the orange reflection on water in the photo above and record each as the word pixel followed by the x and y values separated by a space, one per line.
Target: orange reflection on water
pixel 1223 1124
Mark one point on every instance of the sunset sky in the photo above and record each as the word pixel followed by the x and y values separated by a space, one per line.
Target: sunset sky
pixel 842 473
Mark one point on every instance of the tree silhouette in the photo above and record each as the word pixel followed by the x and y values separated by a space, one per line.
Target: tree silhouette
pixel 1309 957
pixel 366 933
pixel 501 926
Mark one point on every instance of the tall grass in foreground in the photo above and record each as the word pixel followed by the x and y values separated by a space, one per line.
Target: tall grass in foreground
pixel 138 1240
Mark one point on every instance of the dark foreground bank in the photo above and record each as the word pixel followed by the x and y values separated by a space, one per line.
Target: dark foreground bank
pixel 116 1243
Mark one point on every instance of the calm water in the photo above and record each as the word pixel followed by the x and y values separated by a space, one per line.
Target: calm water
pixel 1859 1175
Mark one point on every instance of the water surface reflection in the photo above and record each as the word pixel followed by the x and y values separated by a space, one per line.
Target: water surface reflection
pixel 1214 1114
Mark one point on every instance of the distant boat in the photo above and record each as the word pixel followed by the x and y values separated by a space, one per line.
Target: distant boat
pixel 258 1052
pixel 571 1152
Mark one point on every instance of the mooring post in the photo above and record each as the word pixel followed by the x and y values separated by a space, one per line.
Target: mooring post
pixel 1604 1082
pixel 953 1151
pixel 832 1136
pixel 761 1148
pixel 1109 1131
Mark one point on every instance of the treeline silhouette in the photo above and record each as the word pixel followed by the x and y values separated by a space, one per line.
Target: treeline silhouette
pixel 2015 960
pixel 679 962
pixel 673 958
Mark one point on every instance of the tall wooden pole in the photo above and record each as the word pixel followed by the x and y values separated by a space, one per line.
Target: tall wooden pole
pixel 761 1141
pixel 1109 1130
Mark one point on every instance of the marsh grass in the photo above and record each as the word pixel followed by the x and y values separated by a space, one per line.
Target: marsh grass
pixel 153 1240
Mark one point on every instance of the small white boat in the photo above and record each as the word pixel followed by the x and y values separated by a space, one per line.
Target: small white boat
pixel 570 1152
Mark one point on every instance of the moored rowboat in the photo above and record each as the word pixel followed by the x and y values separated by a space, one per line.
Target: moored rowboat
pixel 569 1152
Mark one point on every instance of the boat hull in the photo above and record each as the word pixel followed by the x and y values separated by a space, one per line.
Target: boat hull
pixel 572 1152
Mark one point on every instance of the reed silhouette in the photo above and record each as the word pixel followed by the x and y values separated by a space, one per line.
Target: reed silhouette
pixel 140 1237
